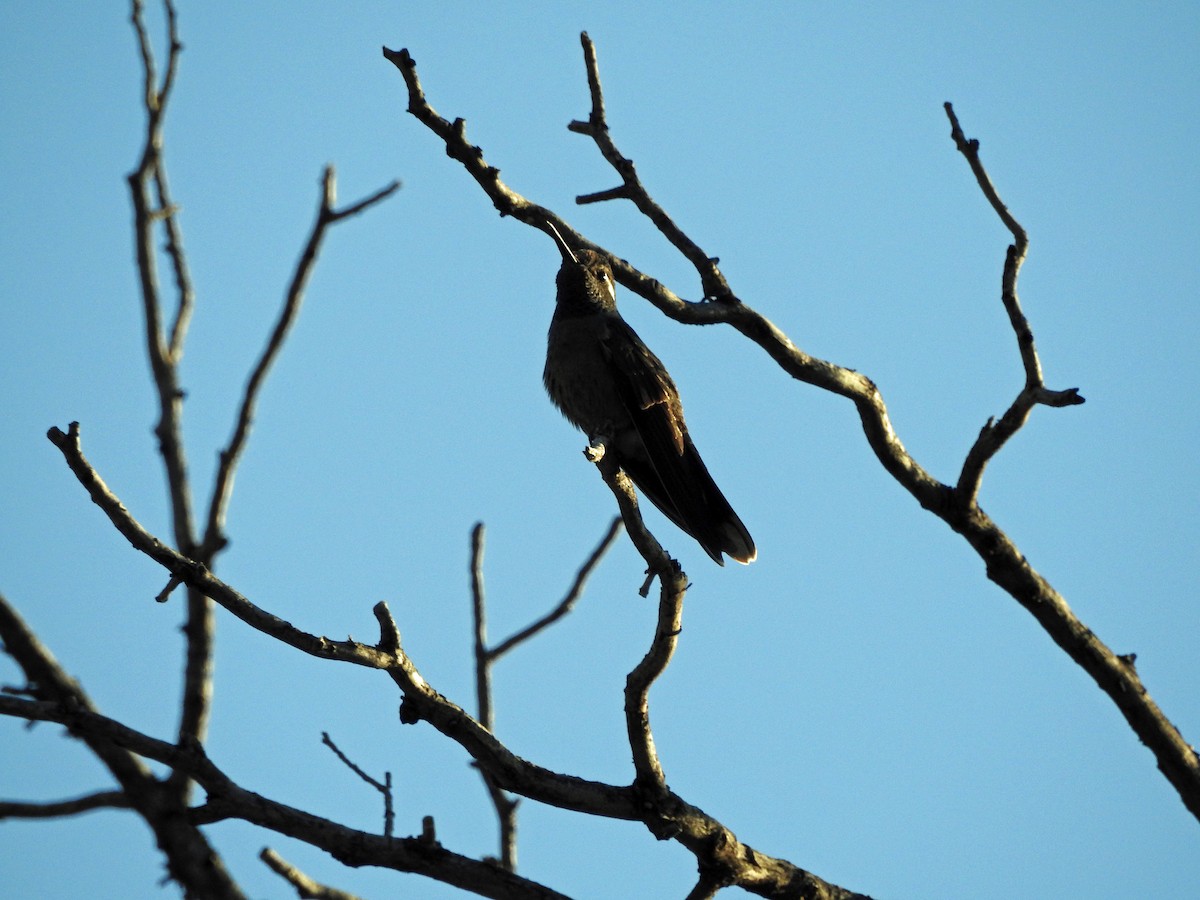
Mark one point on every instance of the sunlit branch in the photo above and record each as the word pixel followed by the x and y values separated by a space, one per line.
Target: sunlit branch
pixel 421 700
pixel 152 204
pixel 306 887
pixel 485 657
pixel 203 873
pixel 995 434
pixel 713 283
pixel 1005 564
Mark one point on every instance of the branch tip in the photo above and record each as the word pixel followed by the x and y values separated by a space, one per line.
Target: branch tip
pixel 389 631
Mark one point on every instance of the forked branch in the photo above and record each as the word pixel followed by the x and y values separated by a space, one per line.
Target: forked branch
pixel 1004 562
pixel 713 283
pixel 995 434
pixel 327 214
pixel 717 849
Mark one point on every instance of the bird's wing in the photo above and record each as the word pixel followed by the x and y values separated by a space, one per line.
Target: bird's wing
pixel 646 389
pixel 670 472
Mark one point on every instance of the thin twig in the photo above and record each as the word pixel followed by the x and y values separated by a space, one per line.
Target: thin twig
pixel 568 602
pixel 384 787
pixel 13 809
pixel 994 435
pixel 327 214
pixel 505 806
pixel 146 213
pixel 306 887
pixel 483 693
pixel 152 204
pixel 485 657
pixel 714 285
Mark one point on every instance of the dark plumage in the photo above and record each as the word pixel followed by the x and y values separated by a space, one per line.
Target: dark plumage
pixel 609 385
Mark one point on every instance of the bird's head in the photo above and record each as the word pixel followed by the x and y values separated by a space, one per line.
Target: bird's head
pixel 585 278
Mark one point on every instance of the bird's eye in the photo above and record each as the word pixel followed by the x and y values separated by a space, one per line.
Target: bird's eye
pixel 602 275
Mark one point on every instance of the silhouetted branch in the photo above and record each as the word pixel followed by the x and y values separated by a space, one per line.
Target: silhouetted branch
pixel 384 787
pixel 705 888
pixel 713 283
pixel 568 602
pixel 485 657
pixel 204 875
pixel 649 770
pixel 152 204
pixel 505 806
pixel 148 211
pixel 14 809
pixel 327 214
pixel 673 583
pixel 658 561
pixel 421 700
pixel 663 811
pixel 191 860
pixel 483 685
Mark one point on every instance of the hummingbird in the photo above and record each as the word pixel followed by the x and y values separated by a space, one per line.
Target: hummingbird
pixel 608 383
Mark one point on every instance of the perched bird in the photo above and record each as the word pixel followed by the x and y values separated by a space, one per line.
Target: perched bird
pixel 608 384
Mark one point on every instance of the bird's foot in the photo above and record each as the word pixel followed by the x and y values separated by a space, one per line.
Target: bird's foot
pixel 597 445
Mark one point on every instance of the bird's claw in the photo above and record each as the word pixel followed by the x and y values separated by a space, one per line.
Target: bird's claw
pixel 595 449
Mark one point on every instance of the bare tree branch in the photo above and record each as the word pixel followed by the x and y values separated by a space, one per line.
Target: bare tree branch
pixel 485 657
pixel 705 887
pixel 505 806
pixel 227 800
pixel 191 861
pixel 384 787
pixel 673 583
pixel 568 602
pixel 596 127
pixel 14 809
pixel 662 810
pixel 1005 564
pixel 163 356
pixel 306 887
pixel 649 770
pixel 327 214
pixel 483 687
pixel 152 203
pixel 994 435
pixel 421 700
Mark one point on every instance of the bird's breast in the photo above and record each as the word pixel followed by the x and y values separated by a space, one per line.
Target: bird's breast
pixel 578 376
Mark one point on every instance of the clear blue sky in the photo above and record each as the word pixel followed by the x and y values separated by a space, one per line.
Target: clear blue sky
pixel 861 700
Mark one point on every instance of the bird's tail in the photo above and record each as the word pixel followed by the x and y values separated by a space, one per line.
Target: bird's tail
pixel 685 492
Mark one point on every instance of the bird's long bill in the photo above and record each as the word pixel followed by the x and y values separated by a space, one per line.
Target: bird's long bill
pixel 566 251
